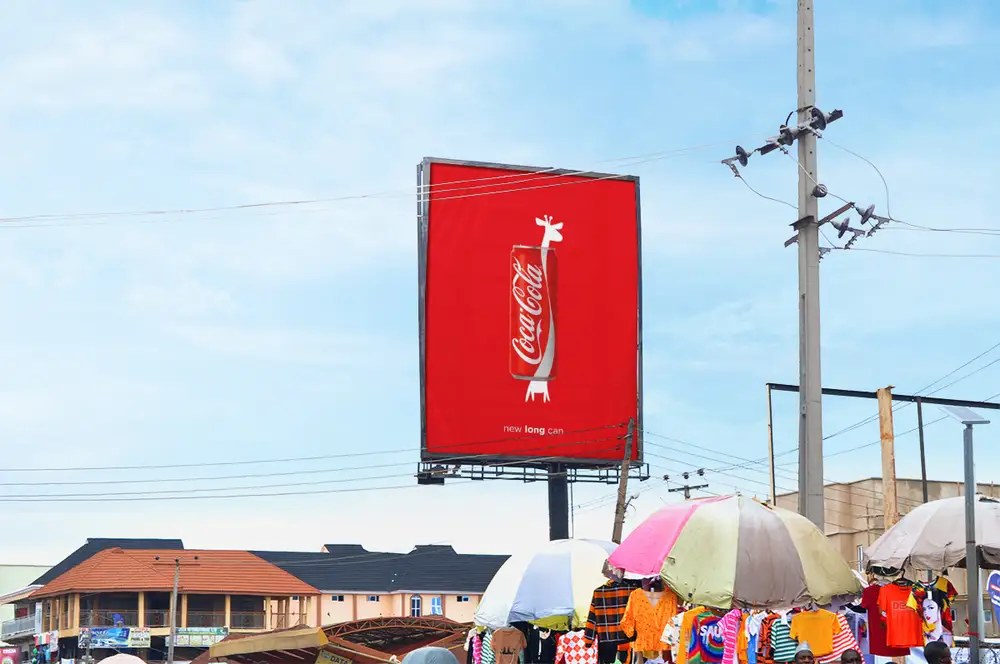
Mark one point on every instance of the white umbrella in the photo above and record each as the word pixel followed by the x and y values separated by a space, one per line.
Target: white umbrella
pixel 553 585
pixel 932 536
pixel 122 658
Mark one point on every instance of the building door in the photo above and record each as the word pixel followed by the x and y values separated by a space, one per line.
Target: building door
pixel 415 606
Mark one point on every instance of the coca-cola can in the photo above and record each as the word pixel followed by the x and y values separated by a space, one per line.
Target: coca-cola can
pixel 533 278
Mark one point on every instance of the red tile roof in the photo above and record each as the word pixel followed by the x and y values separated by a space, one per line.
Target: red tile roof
pixel 214 572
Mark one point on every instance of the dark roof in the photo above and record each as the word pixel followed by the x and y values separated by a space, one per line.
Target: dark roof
pixel 97 544
pixel 352 568
pixel 442 569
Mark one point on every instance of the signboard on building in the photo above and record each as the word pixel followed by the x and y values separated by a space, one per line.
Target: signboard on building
pixel 199 637
pixel 114 637
pixel 326 657
pixel 10 655
pixel 530 314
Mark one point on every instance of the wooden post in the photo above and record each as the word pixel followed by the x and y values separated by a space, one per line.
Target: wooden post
pixel 302 611
pixel 267 613
pixel 141 604
pixel 229 610
pixel 184 610
pixel 890 503
pixel 616 535
pixel 76 611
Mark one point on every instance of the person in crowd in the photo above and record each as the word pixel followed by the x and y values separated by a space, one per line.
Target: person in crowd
pixel 850 656
pixel 937 652
pixel 804 654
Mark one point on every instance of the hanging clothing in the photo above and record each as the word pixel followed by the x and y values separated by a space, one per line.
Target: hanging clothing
pixel 469 638
pixel 704 641
pixel 507 644
pixel 672 635
pixel 541 647
pixel 877 643
pixel 573 649
pixel 607 608
pixel 816 628
pixel 488 656
pixel 765 654
pixel 647 622
pixel 729 627
pixel 782 645
pixel 843 641
pixel 933 602
pixel 477 649
pixel 904 626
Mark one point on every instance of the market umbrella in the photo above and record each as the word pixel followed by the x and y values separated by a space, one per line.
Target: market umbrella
pixel 549 587
pixel 430 655
pixel 932 536
pixel 122 658
pixel 735 551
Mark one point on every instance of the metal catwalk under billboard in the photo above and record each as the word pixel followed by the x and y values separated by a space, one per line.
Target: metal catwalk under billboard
pixel 530 314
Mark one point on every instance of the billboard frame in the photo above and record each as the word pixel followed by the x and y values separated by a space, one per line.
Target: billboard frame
pixel 423 230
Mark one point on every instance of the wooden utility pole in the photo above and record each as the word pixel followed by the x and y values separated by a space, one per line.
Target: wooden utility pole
pixel 890 503
pixel 616 535
pixel 173 611
pixel 770 448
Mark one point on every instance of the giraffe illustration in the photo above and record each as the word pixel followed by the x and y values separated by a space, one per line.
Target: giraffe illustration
pixel 541 387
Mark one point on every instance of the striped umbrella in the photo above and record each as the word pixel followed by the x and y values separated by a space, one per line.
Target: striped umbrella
pixel 733 551
pixel 551 587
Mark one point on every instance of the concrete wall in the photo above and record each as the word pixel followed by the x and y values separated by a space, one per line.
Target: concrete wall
pixel 357 606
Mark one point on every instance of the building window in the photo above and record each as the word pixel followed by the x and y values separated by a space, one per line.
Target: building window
pixel 337 598
pixel 415 606
pixel 295 598
pixel 462 598
pixel 436 607
pixel 373 598
pixel 861 558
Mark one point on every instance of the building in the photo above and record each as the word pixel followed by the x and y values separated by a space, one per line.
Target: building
pixel 359 584
pixel 110 584
pixel 855 519
pixel 16 583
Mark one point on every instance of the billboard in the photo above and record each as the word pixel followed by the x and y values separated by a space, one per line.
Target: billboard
pixel 114 637
pixel 200 637
pixel 530 314
pixel 9 655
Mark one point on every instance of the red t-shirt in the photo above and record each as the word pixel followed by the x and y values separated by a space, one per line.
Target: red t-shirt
pixel 904 626
pixel 876 625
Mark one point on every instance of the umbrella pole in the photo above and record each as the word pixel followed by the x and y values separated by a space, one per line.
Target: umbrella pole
pixel 973 593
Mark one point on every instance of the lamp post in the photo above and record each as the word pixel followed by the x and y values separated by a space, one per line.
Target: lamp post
pixel 969 418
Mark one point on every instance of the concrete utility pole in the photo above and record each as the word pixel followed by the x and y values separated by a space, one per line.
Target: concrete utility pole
pixel 888 438
pixel 811 503
pixel 616 535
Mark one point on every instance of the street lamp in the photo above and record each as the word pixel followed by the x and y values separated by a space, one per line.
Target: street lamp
pixel 970 418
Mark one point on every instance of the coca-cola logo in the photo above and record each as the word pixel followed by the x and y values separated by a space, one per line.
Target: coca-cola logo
pixel 527 289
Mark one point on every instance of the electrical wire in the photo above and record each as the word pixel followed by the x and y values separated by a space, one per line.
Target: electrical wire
pixel 888 208
pixel 739 176
pixel 466 457
pixel 425 192
pixel 919 255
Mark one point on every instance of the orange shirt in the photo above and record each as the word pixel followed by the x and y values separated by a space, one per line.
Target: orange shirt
pixel 817 629
pixel 646 621
pixel 903 625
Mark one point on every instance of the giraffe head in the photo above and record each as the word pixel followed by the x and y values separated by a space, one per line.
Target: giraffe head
pixel 552 233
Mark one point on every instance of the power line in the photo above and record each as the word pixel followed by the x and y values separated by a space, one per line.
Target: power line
pixel 467 457
pixel 919 255
pixel 429 191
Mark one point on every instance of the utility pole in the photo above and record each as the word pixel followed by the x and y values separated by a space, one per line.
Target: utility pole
pixel 173 611
pixel 687 488
pixel 811 499
pixel 887 436
pixel 616 535
pixel 923 455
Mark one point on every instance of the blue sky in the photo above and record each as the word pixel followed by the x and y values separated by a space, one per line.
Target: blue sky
pixel 291 331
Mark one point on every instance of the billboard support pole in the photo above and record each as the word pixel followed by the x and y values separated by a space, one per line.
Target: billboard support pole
pixel 616 536
pixel 558 502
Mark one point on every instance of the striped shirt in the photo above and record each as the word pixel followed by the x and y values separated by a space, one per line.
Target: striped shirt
pixel 730 623
pixel 781 642
pixel 488 656
pixel 842 642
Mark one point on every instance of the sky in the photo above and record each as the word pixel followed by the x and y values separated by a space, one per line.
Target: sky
pixel 291 331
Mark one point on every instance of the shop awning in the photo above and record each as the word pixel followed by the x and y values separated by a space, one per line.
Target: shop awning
pixel 300 638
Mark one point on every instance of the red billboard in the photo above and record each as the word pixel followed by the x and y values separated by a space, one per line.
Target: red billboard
pixel 530 314
pixel 10 655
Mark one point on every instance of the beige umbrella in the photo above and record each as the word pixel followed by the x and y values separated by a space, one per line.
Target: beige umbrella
pixel 932 537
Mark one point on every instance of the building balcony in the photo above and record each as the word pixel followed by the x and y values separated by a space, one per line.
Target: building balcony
pixel 206 619
pixel 109 618
pixel 158 618
pixel 12 629
pixel 245 620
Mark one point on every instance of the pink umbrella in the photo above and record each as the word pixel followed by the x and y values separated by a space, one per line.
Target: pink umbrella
pixel 644 551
